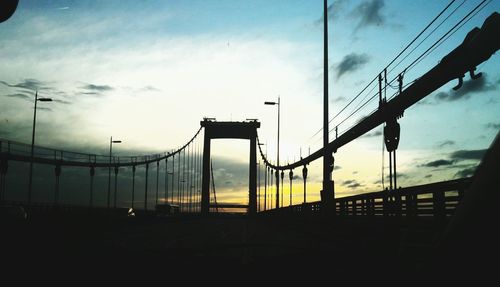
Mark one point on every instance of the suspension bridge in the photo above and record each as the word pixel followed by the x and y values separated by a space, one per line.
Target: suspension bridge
pixel 183 201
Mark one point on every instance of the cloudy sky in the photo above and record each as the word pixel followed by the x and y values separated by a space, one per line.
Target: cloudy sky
pixel 148 71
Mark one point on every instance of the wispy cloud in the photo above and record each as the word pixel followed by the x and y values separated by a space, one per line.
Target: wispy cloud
pixel 338 99
pixel 333 11
pixel 61 101
pixel 351 183
pixel 468 154
pixel 369 13
pixel 44 109
pixel 29 84
pixel 446 143
pixel 455 159
pixel 468 88
pixel 351 63
pixel 438 163
pixel 495 126
pixel 19 96
pixel 466 172
pixel 97 88
pixel 151 89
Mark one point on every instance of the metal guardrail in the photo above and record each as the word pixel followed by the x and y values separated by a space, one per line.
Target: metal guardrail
pixel 437 200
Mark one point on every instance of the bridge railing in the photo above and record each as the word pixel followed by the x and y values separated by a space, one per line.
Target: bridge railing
pixel 437 200
pixel 12 150
pixel 22 152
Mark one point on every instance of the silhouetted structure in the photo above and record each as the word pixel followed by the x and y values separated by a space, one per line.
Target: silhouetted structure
pixel 234 130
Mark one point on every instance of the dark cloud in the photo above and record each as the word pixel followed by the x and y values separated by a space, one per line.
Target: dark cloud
pixel 437 163
pixel 92 93
pixel 20 96
pixel 468 154
pixel 445 143
pixel 34 85
pixel 399 175
pixel 495 126
pixel 351 183
pixel 347 182
pixel 61 102
pixel 351 63
pixel 44 109
pixel 469 87
pixel 333 11
pixel 227 171
pixel 29 84
pixel 423 102
pixel 455 158
pixel 354 185
pixel 369 13
pixel 151 89
pixel 466 172
pixel 373 134
pixel 402 175
pixel 97 88
pixel 338 99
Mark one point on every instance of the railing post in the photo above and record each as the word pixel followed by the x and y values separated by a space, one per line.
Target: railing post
pixel 57 171
pixel 157 179
pixel 461 193
pixel 4 166
pixel 410 205
pixel 116 183
pixel 304 176
pixel 385 203
pixel 397 203
pixel 290 174
pixel 92 173
pixel 146 189
pixel 439 205
pixel 371 206
pixel 133 184
pixel 166 180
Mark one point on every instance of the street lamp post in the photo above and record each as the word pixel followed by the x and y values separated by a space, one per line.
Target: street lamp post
pixel 278 149
pixel 111 142
pixel 30 182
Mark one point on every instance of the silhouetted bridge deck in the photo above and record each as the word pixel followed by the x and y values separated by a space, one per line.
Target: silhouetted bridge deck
pixel 437 200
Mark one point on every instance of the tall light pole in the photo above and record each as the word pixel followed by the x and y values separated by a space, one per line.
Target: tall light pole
pixel 111 142
pixel 30 183
pixel 327 192
pixel 278 150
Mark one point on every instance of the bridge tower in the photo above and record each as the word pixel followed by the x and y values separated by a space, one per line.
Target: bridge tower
pixel 229 130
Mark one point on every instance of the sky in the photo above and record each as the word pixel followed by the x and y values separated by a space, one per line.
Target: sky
pixel 146 72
